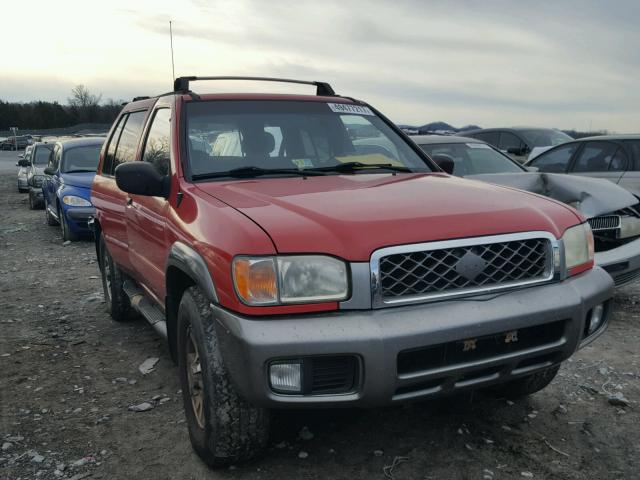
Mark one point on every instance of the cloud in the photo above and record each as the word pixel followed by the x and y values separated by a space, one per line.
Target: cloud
pixel 569 64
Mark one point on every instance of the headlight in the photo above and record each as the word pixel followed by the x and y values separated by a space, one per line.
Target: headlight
pixel 74 201
pixel 37 180
pixel 290 279
pixel 629 227
pixel 578 246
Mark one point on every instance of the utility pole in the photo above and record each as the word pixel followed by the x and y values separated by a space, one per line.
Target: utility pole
pixel 15 137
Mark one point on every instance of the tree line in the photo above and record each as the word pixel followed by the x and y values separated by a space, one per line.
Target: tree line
pixel 82 107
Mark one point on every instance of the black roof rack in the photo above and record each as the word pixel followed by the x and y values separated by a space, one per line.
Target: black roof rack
pixel 135 99
pixel 181 84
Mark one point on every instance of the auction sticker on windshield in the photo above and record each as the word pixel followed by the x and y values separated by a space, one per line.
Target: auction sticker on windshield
pixel 348 108
pixel 478 145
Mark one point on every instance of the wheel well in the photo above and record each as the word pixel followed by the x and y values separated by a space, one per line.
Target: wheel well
pixel 177 282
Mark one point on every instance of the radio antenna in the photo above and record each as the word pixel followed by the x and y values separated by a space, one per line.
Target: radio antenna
pixel 173 68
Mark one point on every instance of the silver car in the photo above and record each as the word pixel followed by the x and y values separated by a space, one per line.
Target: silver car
pixel 613 157
pixel 24 159
pixel 612 212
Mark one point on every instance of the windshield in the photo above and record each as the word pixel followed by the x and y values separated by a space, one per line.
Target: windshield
pixel 545 137
pixel 472 158
pixel 81 159
pixel 42 155
pixel 291 136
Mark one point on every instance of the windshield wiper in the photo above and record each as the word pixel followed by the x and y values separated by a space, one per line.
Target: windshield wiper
pixel 250 172
pixel 352 167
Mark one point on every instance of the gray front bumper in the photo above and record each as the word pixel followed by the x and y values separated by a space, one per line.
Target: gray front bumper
pixel 622 263
pixel 377 336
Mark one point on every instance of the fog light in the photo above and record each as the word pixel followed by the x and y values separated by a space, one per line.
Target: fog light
pixel 286 377
pixel 595 320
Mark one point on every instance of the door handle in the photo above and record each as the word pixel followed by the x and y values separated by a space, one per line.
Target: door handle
pixel 129 201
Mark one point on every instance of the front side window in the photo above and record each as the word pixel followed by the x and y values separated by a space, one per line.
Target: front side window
pixel 42 155
pixel 556 160
pixel 81 159
pixel 492 138
pixel 291 135
pixel 472 158
pixel 595 157
pixel 634 146
pixel 157 146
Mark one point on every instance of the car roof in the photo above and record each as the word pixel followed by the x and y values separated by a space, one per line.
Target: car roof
pixel 283 97
pixel 81 142
pixel 514 129
pixel 610 137
pixel 432 139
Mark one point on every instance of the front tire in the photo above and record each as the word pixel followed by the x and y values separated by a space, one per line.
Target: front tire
pixel 117 301
pixel 51 221
pixel 525 386
pixel 223 427
pixel 67 234
pixel 34 203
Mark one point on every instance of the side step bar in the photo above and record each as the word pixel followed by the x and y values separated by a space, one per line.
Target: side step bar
pixel 145 307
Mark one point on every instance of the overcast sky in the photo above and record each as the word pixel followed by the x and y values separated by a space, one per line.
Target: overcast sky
pixel 566 64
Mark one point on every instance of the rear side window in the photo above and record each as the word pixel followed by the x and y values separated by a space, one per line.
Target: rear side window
pixel 595 157
pixel 509 141
pixel 107 167
pixel 129 139
pixel 157 146
pixel 556 160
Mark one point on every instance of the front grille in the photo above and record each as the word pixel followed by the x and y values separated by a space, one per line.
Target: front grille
pixel 464 268
pixel 627 277
pixel 480 348
pixel 605 222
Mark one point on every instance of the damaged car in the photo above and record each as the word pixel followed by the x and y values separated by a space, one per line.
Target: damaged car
pixel 612 211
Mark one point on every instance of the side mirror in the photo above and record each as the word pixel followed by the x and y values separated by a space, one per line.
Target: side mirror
pixel 49 171
pixel 142 178
pixel 23 163
pixel 445 162
pixel 516 150
pixel 532 169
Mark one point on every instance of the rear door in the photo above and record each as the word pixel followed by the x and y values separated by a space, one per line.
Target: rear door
pixel 108 199
pixel 146 216
pixel 600 159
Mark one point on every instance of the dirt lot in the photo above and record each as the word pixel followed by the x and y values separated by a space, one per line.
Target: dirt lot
pixel 69 375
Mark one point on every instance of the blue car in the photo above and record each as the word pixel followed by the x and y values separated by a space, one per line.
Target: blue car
pixel 67 185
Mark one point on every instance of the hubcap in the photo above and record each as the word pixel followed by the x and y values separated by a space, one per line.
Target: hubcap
pixel 194 377
pixel 106 268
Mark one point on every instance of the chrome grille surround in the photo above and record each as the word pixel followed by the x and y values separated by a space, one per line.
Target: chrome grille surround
pixel 604 222
pixel 450 250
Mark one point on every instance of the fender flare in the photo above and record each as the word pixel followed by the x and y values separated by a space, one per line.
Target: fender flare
pixel 191 263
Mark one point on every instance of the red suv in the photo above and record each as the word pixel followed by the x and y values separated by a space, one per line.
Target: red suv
pixel 301 251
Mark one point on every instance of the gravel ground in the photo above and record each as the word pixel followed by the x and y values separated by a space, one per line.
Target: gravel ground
pixel 70 374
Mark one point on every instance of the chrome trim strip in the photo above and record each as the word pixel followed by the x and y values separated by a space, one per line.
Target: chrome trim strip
pixel 554 271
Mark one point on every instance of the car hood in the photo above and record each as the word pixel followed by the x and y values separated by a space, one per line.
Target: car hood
pixel 350 216
pixel 80 179
pixel 591 196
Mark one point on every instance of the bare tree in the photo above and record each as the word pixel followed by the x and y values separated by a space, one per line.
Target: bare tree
pixel 84 103
pixel 82 98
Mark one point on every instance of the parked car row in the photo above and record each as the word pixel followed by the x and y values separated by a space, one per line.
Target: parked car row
pixel 301 251
pixel 613 212
pixel 58 177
